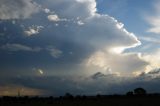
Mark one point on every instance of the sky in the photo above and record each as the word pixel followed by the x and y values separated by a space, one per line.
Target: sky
pixel 51 47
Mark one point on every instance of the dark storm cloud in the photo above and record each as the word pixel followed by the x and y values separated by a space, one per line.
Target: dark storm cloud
pixel 154 73
pixel 106 84
pixel 98 75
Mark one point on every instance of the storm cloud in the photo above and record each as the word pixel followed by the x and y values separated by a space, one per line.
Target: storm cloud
pixel 71 39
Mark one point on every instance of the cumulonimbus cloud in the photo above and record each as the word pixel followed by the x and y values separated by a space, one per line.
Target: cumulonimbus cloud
pixel 99 33
pixel 96 43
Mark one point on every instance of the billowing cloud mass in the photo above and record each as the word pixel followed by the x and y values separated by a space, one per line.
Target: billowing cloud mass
pixel 71 8
pixel 124 64
pixel 17 9
pixel 76 41
pixel 154 60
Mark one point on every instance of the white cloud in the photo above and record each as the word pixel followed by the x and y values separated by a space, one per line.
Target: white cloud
pixel 19 47
pixel 17 9
pixel 154 60
pixel 33 30
pixel 104 31
pixel 53 18
pixel 72 8
pixel 46 10
pixel 40 71
pixel 91 5
pixel 125 64
pixel 80 22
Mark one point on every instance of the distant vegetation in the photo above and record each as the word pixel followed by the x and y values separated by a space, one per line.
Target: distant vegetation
pixel 137 91
pixel 137 97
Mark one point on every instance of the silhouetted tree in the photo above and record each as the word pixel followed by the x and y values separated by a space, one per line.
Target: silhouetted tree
pixel 140 91
pixel 98 96
pixel 130 93
pixel 84 97
pixel 78 97
pixel 69 96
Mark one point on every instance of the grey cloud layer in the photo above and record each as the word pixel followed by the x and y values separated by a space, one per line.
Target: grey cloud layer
pixel 98 83
pixel 17 9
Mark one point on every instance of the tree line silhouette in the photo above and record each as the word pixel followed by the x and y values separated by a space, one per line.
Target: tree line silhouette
pixel 138 96
pixel 137 91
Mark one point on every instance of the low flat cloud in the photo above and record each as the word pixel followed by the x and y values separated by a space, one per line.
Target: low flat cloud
pixel 19 47
pixel 98 83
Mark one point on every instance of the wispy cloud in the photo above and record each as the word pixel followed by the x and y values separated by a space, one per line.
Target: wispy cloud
pixel 150 39
pixel 19 47
pixel 154 20
pixel 56 53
